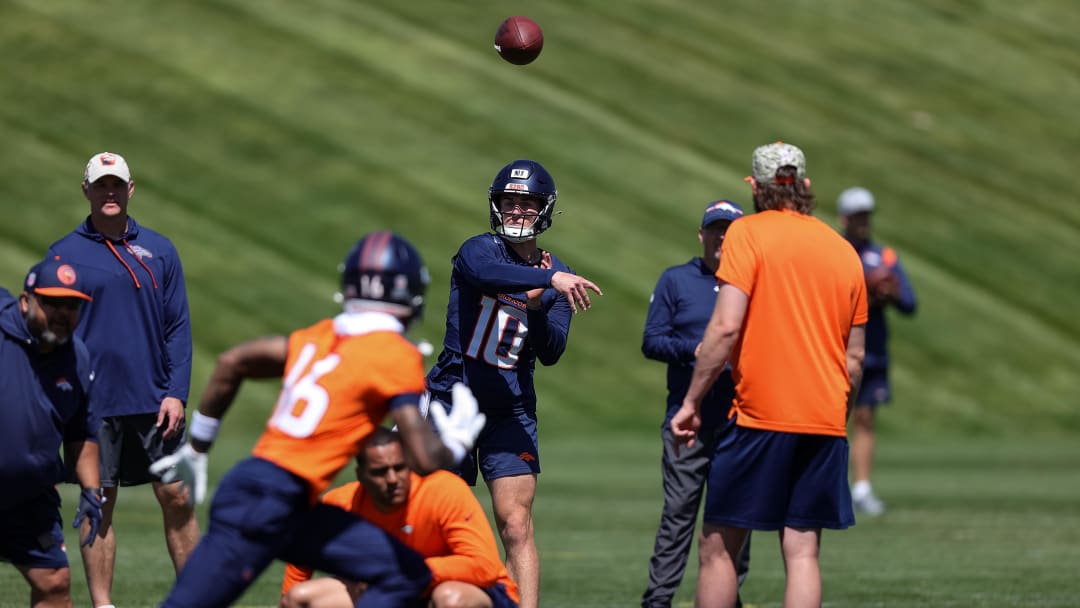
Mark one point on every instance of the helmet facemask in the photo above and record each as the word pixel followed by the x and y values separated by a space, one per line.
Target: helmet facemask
pixel 541 220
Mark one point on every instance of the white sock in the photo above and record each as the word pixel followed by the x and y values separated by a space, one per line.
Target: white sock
pixel 859 489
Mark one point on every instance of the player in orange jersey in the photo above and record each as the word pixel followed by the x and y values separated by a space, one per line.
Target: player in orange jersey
pixel 791 316
pixel 342 377
pixel 437 515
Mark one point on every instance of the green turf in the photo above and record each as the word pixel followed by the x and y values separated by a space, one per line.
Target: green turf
pixel 266 136
pixel 970 523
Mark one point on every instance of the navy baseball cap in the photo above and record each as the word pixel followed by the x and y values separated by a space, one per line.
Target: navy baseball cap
pixel 54 278
pixel 722 209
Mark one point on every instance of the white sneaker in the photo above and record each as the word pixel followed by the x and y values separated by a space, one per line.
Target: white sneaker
pixel 869 504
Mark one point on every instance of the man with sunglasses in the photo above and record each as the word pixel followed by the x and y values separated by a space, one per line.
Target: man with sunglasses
pixel 45 392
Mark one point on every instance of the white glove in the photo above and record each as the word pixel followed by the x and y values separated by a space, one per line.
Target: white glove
pixel 459 429
pixel 187 466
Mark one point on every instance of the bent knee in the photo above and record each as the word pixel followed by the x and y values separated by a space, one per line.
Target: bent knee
pixel 172 497
pixel 517 530
pixel 455 594
pixel 51 584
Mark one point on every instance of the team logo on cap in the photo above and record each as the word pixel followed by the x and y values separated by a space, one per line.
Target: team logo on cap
pixel 519 174
pixel 107 160
pixel 725 206
pixel 31 279
pixel 66 275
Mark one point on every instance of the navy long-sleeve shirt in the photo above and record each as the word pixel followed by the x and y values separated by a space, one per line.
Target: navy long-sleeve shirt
pixel 138 328
pixel 679 311
pixel 44 403
pixel 492 340
pixel 873 256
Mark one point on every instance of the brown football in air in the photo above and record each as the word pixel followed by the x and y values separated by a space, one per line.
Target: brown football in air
pixel 519 40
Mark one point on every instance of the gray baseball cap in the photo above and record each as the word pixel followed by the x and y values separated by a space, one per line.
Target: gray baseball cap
pixel 854 200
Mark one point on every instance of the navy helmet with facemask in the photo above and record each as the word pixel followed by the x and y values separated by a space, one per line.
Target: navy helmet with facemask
pixel 528 178
pixel 384 272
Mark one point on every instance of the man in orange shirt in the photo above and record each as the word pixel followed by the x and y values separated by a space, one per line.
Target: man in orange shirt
pixel 790 316
pixel 341 378
pixel 438 516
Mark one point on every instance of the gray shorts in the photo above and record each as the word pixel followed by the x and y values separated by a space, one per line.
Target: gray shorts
pixel 129 444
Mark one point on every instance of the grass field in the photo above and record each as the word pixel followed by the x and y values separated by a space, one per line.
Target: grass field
pixel 266 136
pixel 971 523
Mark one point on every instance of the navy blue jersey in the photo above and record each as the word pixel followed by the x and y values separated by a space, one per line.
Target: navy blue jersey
pixel 137 328
pixel 492 342
pixel 679 311
pixel 44 403
pixel 873 256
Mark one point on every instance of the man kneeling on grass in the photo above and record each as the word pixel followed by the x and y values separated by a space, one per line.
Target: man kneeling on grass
pixel 438 516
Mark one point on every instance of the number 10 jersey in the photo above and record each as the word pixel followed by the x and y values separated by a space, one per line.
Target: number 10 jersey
pixel 492 340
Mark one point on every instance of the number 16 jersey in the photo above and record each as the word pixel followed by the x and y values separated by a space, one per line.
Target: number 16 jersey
pixel 492 340
pixel 342 377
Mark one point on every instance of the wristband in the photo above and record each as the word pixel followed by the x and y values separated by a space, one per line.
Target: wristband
pixel 204 428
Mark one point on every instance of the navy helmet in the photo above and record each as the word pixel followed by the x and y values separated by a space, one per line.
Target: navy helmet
pixel 384 272
pixel 526 177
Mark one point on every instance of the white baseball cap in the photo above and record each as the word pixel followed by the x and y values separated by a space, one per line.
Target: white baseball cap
pixel 106 163
pixel 854 200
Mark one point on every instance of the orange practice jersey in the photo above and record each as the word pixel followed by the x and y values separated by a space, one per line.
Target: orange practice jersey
pixel 442 521
pixel 806 290
pixel 335 392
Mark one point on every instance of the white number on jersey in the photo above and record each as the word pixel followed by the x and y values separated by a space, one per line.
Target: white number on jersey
pixel 302 385
pixel 499 334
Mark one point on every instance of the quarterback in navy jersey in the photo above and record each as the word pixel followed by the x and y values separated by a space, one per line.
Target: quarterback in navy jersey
pixel 510 304
pixel 45 392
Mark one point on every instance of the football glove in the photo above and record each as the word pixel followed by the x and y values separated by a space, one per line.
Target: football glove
pixel 90 502
pixel 458 429
pixel 186 466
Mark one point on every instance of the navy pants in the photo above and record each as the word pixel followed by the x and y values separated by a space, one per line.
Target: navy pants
pixel 685 470
pixel 262 512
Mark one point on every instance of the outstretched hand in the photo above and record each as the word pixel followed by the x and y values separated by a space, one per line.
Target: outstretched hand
pixel 575 288
pixel 187 466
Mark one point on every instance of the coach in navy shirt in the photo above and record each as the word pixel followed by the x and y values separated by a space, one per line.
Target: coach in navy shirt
pixel 679 310
pixel 44 392
pixel 138 331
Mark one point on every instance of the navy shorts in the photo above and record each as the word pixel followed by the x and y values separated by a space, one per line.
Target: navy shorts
pixel 508 446
pixel 499 598
pixel 129 444
pixel 31 533
pixel 766 480
pixel 874 388
pixel 262 512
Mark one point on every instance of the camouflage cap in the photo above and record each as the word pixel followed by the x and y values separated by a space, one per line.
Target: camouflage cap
pixel 769 158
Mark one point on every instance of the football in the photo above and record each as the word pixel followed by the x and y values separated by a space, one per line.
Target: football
pixel 519 40
pixel 881 284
